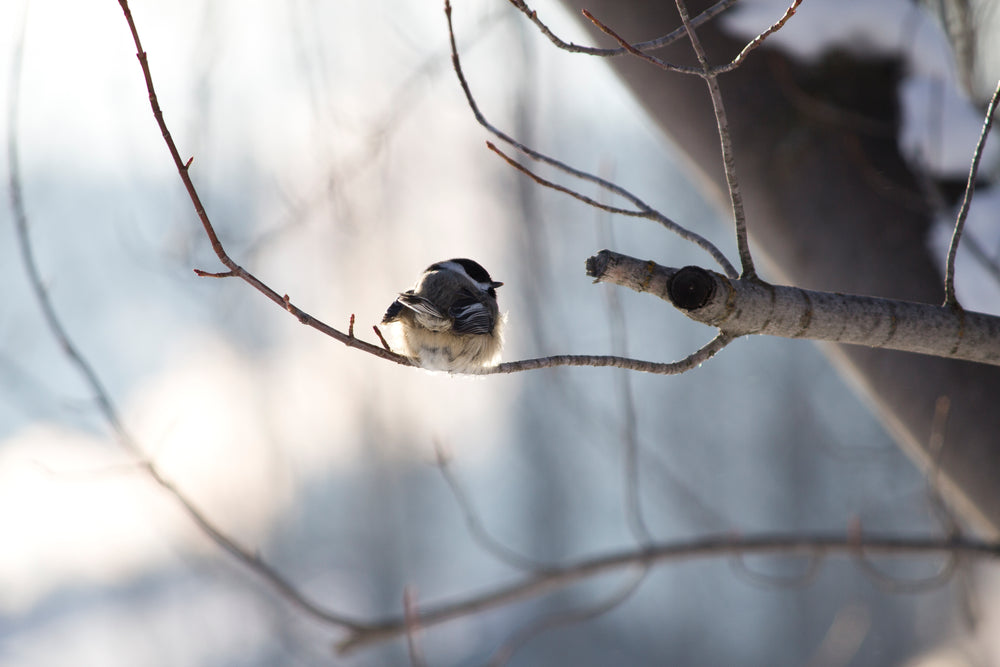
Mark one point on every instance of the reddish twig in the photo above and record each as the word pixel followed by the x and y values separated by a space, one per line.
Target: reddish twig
pixel 381 338
pixel 756 41
pixel 649 45
pixel 209 274
pixel 110 412
pixel 235 270
pixel 652 60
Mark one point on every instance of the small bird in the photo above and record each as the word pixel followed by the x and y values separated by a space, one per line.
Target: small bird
pixel 450 320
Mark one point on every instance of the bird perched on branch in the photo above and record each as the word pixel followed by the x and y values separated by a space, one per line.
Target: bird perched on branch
pixel 450 320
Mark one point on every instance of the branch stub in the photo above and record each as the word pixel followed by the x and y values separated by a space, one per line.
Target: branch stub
pixel 691 288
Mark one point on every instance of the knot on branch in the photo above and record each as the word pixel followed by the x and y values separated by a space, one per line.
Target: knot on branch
pixel 691 288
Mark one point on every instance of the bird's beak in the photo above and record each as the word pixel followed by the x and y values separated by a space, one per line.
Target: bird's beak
pixel 496 284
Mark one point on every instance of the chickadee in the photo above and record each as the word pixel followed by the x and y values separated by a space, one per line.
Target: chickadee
pixel 450 320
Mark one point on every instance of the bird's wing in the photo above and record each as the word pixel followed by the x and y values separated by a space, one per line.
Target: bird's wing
pixel 427 313
pixel 392 312
pixel 471 316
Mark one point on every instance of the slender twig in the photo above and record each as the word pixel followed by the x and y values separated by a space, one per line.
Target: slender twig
pixel 629 430
pixel 726 143
pixel 235 270
pixel 412 628
pixel 892 584
pixel 568 191
pixel 475 525
pixel 689 362
pixel 642 55
pixel 935 450
pixel 650 45
pixel 576 173
pixel 378 332
pixel 506 651
pixel 798 580
pixel 107 406
pixel 641 212
pixel 722 126
pixel 806 544
pixel 756 41
pixel 949 279
pixel 380 126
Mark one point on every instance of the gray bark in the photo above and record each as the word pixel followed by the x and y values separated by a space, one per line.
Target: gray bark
pixel 833 207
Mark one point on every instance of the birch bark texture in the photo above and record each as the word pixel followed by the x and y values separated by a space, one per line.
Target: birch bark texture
pixel 831 206
pixel 745 307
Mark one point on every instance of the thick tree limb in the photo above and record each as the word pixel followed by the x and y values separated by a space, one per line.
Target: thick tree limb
pixel 821 221
pixel 745 306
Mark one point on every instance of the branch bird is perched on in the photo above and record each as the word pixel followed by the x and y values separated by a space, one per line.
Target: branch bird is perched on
pixel 450 320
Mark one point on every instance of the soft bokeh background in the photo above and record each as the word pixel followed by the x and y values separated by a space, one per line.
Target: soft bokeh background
pixel 336 156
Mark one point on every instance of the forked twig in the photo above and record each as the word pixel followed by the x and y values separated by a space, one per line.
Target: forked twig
pixel 642 55
pixel 650 45
pixel 970 186
pixel 722 126
pixel 646 210
pixel 756 41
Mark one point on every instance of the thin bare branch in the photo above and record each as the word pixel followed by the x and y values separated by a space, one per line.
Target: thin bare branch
pixel 412 628
pixel 106 405
pixel 650 45
pixel 892 584
pixel 949 277
pixel 235 270
pixel 565 190
pixel 804 544
pixel 475 525
pixel 560 619
pixel 576 173
pixel 689 362
pixel 378 332
pixel 629 431
pixel 935 450
pixel 641 55
pixel 726 142
pixel 756 41
pixel 798 580
pixel 641 212
pixel 722 125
